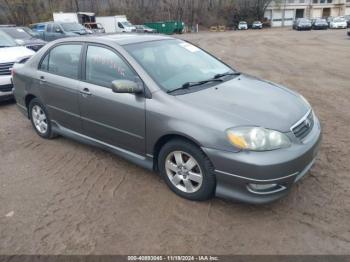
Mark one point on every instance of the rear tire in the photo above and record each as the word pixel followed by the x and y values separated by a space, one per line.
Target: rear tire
pixel 187 170
pixel 40 119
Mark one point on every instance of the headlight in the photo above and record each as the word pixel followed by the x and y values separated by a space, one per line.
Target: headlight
pixel 257 138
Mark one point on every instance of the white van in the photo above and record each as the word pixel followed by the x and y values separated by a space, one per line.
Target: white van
pixel 10 53
pixel 116 24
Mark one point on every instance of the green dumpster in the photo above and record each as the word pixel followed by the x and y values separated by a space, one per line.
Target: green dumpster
pixel 179 27
pixel 167 27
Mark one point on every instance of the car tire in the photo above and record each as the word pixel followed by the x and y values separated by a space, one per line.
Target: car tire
pixel 40 119
pixel 187 170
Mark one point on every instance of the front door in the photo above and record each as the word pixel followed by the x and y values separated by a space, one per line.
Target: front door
pixel 59 86
pixel 56 33
pixel 115 119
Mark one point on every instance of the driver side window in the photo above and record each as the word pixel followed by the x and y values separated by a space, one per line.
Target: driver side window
pixel 103 66
pixel 56 28
pixel 120 25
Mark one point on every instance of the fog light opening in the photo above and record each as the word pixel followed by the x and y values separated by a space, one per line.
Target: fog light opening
pixel 265 189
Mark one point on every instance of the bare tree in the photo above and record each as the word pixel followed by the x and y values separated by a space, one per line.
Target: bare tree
pixel 204 12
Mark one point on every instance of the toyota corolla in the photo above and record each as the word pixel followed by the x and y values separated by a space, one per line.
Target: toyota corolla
pixel 171 107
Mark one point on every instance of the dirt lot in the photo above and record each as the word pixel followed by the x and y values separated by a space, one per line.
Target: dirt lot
pixel 62 197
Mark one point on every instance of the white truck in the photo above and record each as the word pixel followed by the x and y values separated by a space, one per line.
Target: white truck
pixel 116 24
pixel 80 17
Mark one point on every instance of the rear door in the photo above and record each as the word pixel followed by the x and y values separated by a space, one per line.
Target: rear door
pixel 115 119
pixel 58 77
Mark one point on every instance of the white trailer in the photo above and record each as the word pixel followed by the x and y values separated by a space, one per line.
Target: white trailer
pixel 80 17
pixel 116 24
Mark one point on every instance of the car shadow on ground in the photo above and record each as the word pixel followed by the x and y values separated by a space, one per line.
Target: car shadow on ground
pixel 7 103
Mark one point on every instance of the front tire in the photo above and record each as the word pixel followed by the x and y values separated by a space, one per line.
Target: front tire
pixel 40 119
pixel 187 170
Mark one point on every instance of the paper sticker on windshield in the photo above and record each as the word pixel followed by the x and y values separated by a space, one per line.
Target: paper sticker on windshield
pixel 190 47
pixel 20 30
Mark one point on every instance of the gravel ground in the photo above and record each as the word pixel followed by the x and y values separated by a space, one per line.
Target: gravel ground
pixel 62 197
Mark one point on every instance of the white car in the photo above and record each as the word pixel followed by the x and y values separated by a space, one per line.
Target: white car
pixel 242 25
pixel 10 53
pixel 338 22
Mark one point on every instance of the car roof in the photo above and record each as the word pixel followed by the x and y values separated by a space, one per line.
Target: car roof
pixel 120 39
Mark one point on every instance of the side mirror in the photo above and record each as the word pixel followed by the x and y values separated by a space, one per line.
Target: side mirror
pixel 126 87
pixel 58 30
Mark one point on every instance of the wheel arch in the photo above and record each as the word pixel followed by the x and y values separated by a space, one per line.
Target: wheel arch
pixel 165 139
pixel 28 98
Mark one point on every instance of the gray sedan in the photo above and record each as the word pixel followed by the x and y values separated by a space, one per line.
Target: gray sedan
pixel 171 107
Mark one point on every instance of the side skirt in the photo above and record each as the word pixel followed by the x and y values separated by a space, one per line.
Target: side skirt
pixel 145 162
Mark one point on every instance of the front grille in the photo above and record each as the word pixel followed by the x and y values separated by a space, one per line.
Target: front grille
pixel 35 48
pixel 302 129
pixel 5 68
pixel 6 88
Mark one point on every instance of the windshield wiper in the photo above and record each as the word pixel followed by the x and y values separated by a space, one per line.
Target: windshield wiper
pixel 1 46
pixel 227 74
pixel 188 85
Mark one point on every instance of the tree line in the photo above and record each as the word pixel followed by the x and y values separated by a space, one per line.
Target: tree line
pixel 202 12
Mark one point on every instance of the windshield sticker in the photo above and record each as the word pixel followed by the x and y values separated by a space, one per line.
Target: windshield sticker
pixel 190 47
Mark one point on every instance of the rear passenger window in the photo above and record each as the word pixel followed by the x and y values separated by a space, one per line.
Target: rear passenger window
pixel 63 60
pixel 103 66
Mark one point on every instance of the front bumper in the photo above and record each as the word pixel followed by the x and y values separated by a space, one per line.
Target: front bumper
pixel 6 88
pixel 237 172
pixel 304 27
pixel 339 26
pixel 320 27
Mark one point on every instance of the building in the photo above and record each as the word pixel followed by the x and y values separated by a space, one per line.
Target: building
pixel 284 12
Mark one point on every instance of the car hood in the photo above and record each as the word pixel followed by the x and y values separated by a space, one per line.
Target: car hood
pixel 33 41
pixel 11 54
pixel 339 22
pixel 248 101
pixel 79 32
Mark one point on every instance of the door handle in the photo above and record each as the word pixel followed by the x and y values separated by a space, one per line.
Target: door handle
pixel 42 79
pixel 86 92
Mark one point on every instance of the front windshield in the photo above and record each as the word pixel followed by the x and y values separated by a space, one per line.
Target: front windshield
pixel 339 20
pixel 30 31
pixel 16 33
pixel 321 21
pixel 126 24
pixel 6 40
pixel 173 63
pixel 69 27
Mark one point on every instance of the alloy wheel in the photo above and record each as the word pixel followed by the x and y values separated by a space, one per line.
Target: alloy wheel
pixel 39 119
pixel 184 171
